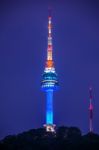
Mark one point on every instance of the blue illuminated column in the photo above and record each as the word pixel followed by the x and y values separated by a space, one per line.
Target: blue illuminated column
pixel 49 107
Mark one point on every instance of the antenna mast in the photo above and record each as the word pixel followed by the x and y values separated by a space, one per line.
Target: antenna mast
pixel 90 111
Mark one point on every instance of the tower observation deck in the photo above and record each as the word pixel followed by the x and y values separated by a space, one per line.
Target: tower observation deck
pixel 49 82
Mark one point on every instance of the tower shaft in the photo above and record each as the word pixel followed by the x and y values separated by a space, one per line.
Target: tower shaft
pixel 49 107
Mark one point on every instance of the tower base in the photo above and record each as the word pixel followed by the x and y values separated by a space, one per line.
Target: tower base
pixel 50 127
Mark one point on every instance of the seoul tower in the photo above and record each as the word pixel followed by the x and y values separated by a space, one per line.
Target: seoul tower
pixel 90 111
pixel 49 82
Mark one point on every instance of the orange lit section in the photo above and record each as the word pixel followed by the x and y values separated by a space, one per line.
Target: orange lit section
pixel 49 64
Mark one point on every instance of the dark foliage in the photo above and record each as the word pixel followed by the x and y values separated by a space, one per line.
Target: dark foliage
pixel 65 138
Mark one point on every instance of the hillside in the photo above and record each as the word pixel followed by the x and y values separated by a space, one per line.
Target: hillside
pixel 68 138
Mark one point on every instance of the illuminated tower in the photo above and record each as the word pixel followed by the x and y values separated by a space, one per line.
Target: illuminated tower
pixel 50 81
pixel 90 111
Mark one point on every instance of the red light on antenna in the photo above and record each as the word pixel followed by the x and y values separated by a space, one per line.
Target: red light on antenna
pixel 90 107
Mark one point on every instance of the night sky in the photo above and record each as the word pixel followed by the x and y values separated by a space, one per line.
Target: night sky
pixel 23 45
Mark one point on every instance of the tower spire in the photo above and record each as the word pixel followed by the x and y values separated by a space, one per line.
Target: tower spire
pixel 90 110
pixel 49 62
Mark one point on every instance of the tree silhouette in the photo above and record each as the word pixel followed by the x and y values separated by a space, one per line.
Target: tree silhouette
pixel 69 138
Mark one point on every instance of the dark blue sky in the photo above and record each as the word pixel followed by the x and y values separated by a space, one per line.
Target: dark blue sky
pixel 23 44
